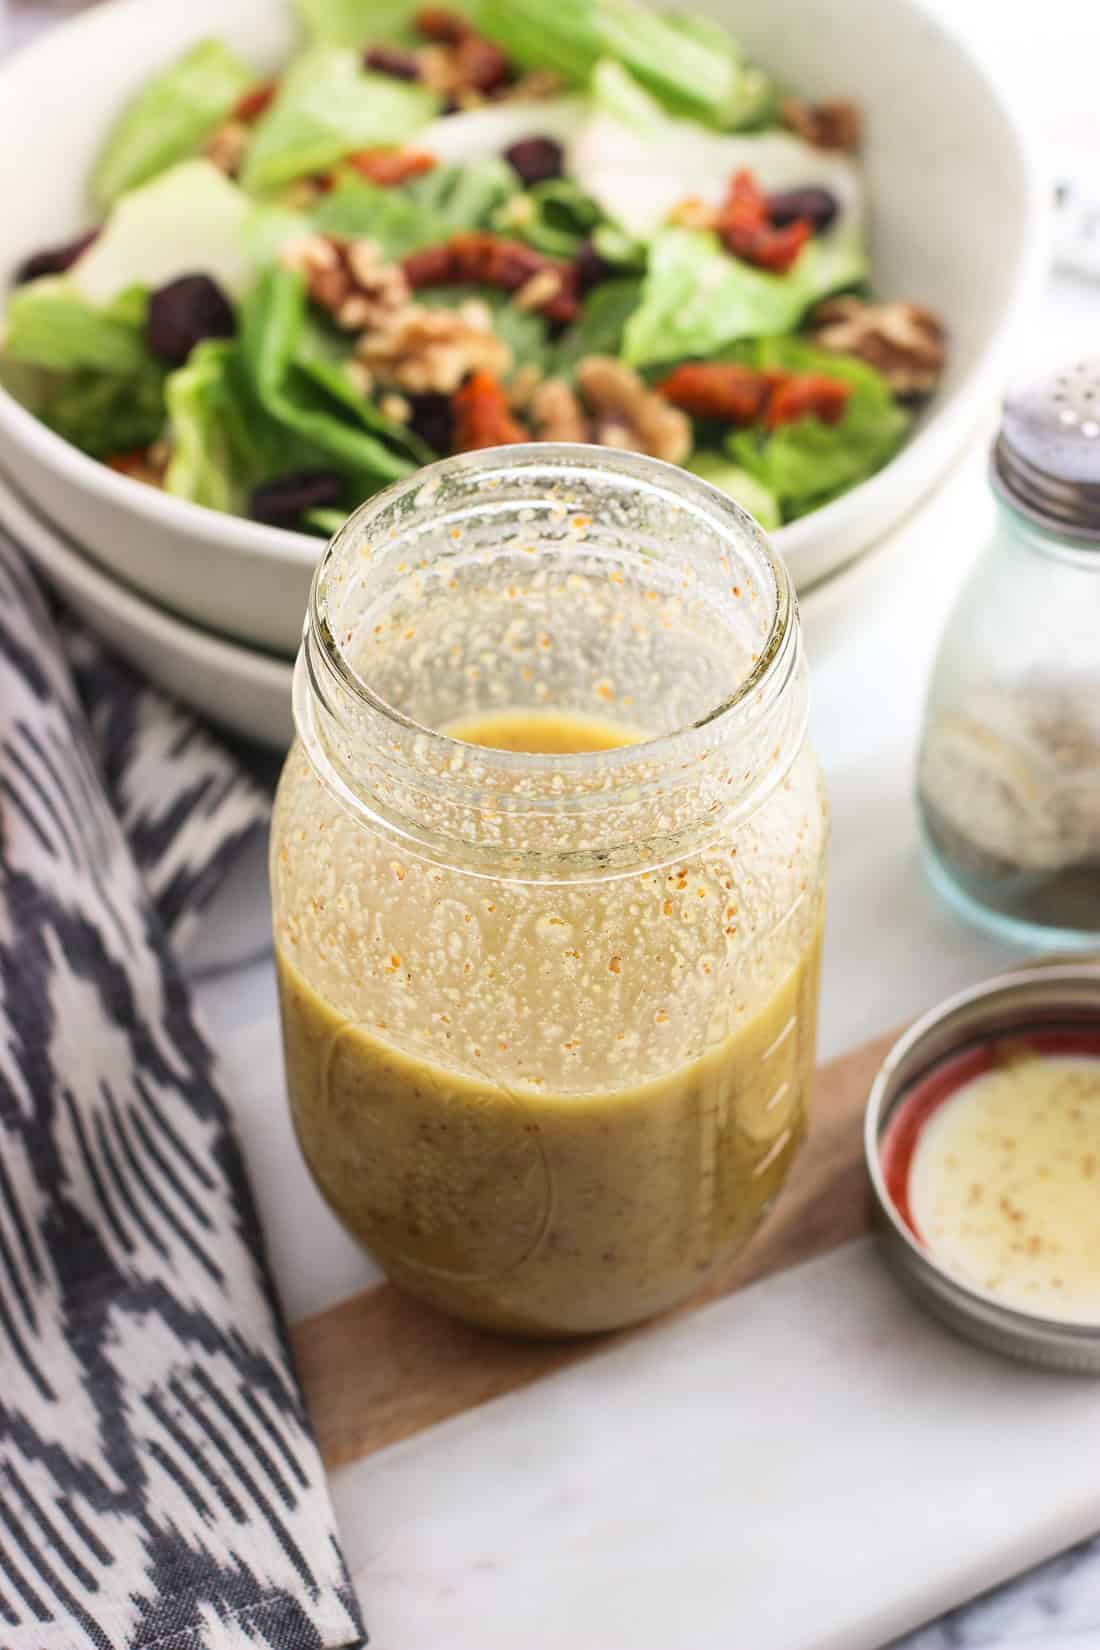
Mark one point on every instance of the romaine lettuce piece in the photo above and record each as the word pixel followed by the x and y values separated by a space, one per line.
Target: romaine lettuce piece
pixel 555 217
pixel 362 22
pixel 467 195
pixel 690 73
pixel 104 413
pixel 423 212
pixel 639 162
pixel 599 329
pixel 310 397
pixel 169 118
pixel 745 489
pixel 807 463
pixel 190 220
pixel 204 466
pixel 328 107
pixel 696 298
pixel 49 324
pixel 752 103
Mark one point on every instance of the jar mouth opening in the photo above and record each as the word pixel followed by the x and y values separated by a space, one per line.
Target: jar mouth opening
pixel 546 461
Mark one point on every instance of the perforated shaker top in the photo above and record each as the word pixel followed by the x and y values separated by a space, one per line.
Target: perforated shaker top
pixel 1046 459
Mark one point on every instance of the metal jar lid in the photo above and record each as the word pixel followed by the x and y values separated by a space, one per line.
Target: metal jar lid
pixel 1046 458
pixel 1046 996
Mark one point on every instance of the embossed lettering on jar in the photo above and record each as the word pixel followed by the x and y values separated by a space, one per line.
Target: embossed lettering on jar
pixel 549 1011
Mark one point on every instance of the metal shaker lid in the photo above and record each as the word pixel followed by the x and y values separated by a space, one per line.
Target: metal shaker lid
pixel 1046 996
pixel 1046 459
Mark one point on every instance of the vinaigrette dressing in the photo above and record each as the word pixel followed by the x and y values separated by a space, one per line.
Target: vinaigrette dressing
pixel 1002 1173
pixel 528 1208
pixel 549 988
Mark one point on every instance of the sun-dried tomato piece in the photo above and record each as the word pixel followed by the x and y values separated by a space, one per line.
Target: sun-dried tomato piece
pixel 718 389
pixel 253 103
pixel 746 229
pixel 804 394
pixel 482 416
pixel 389 166
pixel 480 258
pixel 745 396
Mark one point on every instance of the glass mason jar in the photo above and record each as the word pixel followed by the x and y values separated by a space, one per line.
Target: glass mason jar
pixel 1008 781
pixel 549 1018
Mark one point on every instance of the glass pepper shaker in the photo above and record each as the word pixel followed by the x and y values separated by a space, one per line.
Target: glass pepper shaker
pixel 1008 782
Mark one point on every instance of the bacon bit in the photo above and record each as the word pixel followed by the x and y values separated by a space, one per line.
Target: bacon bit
pixel 389 166
pixel 744 396
pixel 748 233
pixel 483 259
pixel 482 416
pixel 805 393
pixel 255 102
pixel 718 389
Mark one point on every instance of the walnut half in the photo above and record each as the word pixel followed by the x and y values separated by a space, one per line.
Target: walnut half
pixel 627 413
pixel 430 351
pixel 618 410
pixel 904 341
pixel 349 278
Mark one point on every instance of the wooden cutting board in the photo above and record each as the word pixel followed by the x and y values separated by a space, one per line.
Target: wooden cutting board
pixel 379 1366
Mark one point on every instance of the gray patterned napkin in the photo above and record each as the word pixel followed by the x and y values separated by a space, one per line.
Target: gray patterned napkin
pixel 159 1485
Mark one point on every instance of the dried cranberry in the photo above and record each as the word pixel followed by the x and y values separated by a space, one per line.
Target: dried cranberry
pixel 183 313
pixel 819 207
pixel 536 159
pixel 284 501
pixel 590 267
pixel 54 260
pixel 433 420
pixel 394 61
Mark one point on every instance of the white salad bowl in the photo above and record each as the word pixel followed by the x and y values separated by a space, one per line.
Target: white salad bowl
pixel 955 205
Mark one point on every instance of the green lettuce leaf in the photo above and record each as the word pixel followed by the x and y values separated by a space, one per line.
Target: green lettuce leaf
pixel 807 463
pixel 599 328
pixel 754 95
pixel 424 212
pixel 685 71
pixel 328 107
pixel 325 522
pixel 696 298
pixel 104 413
pixel 745 489
pixel 555 217
pixel 170 118
pixel 362 22
pixel 465 195
pixel 205 466
pixel 49 324
pixel 311 397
